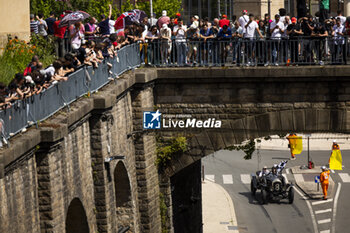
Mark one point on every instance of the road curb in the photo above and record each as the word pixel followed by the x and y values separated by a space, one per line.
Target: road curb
pixel 313 196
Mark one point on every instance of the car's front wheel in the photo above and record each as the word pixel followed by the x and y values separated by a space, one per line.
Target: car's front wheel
pixel 291 195
pixel 252 187
pixel 264 196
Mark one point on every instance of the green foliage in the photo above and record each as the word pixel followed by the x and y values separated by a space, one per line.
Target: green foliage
pixel 171 6
pixel 94 8
pixel 167 149
pixel 127 6
pixel 247 148
pixel 18 54
pixel 163 213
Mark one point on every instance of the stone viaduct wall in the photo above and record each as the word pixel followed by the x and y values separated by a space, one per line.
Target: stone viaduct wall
pixel 55 175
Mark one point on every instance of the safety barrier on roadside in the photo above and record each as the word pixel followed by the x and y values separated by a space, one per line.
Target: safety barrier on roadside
pixel 85 80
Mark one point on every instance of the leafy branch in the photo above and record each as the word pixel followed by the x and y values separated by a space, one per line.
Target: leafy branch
pixel 248 148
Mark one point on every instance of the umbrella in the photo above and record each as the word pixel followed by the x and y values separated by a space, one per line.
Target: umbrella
pixel 128 18
pixel 73 18
pixel 163 20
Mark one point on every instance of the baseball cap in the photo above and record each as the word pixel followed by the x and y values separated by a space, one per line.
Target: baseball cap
pixel 323 168
pixel 29 79
pixel 178 14
pixel 245 11
pixel 224 16
pixel 294 20
pixel 334 141
pixel 164 26
pixel 196 17
pixel 61 15
pixel 164 13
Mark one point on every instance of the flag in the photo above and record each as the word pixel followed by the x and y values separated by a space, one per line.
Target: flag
pixel 336 161
pixel 296 144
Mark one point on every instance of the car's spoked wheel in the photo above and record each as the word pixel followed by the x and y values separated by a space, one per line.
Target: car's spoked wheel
pixel 264 196
pixel 252 188
pixel 291 195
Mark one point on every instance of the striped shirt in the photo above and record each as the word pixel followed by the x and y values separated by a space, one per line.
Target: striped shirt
pixel 34 27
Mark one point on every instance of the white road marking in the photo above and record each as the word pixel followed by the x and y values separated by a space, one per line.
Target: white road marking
pixel 245 178
pixel 327 220
pixel 322 202
pixel 210 177
pixel 287 171
pixel 335 205
pixel 227 179
pixel 298 178
pixel 323 211
pixel 325 231
pixel 285 177
pixel 344 177
pixel 310 209
pixel 332 171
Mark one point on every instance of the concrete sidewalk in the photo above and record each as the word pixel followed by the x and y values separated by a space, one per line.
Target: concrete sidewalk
pixel 318 141
pixel 305 180
pixel 218 210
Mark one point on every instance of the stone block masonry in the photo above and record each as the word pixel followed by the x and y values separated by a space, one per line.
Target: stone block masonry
pixel 57 174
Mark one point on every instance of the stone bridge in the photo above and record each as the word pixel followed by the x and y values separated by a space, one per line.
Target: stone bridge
pixel 59 178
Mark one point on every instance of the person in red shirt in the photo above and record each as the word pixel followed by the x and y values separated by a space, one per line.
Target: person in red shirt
pixel 177 16
pixel 224 21
pixel 59 32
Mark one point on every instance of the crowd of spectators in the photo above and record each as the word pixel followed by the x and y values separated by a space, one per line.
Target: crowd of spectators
pixel 245 39
pixel 250 40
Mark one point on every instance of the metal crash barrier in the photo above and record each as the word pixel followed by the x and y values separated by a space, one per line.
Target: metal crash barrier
pixel 85 80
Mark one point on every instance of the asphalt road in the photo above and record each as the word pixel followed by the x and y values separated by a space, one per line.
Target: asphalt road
pixel 278 217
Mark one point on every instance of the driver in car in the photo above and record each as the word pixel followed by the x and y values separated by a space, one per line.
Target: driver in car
pixel 274 169
pixel 264 172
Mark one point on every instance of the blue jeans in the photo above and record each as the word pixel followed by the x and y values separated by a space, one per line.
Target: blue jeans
pixel 181 48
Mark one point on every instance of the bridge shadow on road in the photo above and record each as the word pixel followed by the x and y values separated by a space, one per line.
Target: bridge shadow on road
pixel 256 200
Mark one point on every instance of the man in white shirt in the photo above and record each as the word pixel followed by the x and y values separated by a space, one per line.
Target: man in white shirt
pixel 165 46
pixel 276 30
pixel 249 34
pixel 339 42
pixel 341 17
pixel 243 20
pixel 250 27
pixel 180 41
pixel 111 23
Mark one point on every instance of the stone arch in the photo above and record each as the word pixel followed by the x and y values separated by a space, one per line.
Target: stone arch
pixel 123 196
pixel 76 220
pixel 234 131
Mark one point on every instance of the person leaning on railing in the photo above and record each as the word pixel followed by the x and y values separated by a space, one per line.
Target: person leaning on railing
pixel 206 36
pixel 294 32
pixel 179 32
pixel 250 30
pixel 165 43
pixel 319 35
pixel 59 36
pixel 237 34
pixel 152 38
pixel 339 51
pixel 276 29
pixel 224 36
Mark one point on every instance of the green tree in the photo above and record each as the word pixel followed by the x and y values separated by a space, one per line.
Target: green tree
pixel 127 6
pixel 171 6
pixel 94 8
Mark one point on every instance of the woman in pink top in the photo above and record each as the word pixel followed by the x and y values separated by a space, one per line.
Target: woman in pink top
pixel 77 32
